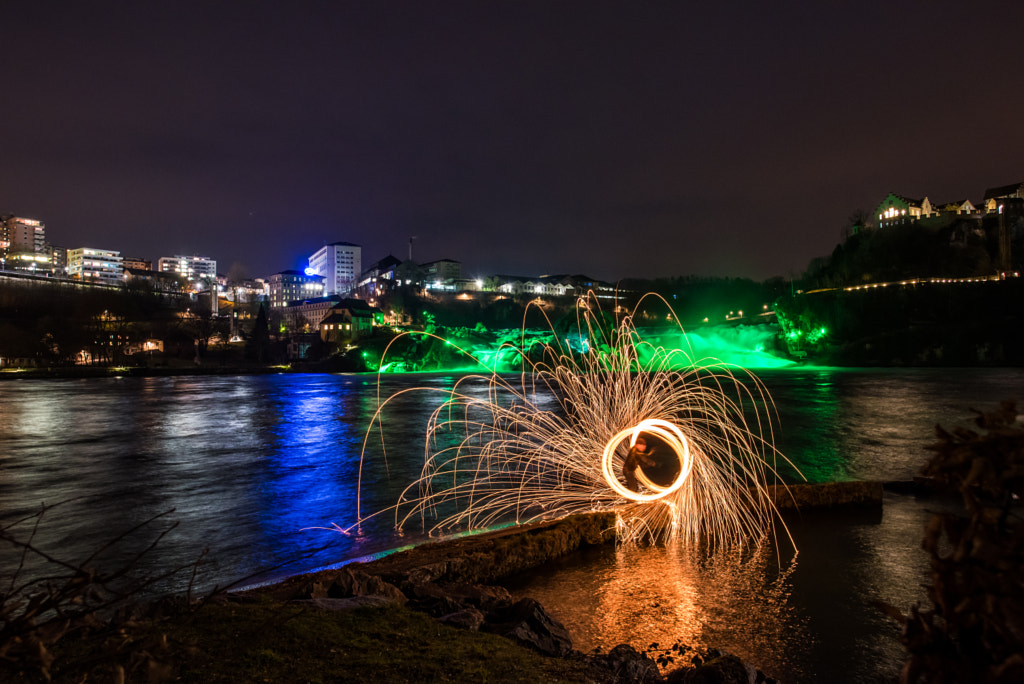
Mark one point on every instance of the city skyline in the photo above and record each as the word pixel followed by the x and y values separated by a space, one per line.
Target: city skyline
pixel 515 138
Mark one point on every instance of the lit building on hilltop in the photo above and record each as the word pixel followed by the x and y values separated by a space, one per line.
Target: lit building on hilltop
pixel 58 259
pixel 339 264
pixel 96 265
pixel 897 209
pixel 555 286
pixel 379 278
pixel 958 208
pixel 246 290
pixel 29 262
pixel 138 263
pixel 441 274
pixel 22 234
pixel 998 197
pixel 23 245
pixel 293 286
pixel 191 267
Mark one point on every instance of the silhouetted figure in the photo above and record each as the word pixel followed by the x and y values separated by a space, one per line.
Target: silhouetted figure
pixel 639 455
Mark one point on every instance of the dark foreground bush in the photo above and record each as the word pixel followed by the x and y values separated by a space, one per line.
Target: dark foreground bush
pixel 974 629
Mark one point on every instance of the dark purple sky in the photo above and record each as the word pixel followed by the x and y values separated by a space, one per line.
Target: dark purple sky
pixel 613 139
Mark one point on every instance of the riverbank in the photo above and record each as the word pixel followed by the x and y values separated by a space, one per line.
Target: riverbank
pixel 76 372
pixel 436 612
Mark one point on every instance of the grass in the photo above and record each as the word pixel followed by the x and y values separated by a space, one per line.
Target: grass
pixel 269 641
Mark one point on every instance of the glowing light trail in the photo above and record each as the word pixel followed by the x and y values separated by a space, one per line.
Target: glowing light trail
pixel 671 435
pixel 553 440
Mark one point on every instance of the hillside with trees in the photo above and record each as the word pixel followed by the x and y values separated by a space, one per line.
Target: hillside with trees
pixel 912 295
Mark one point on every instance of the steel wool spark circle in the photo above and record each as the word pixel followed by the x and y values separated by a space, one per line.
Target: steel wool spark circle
pixel 671 435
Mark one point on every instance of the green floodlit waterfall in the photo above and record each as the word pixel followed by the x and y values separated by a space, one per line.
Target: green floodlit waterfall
pixel 749 346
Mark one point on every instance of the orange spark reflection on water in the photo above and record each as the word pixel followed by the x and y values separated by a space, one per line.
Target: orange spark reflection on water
pixel 732 599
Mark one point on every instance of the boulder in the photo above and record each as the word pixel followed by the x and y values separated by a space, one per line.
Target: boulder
pixel 440 600
pixel 467 618
pixel 624 663
pixel 350 582
pixel 528 623
pixel 725 669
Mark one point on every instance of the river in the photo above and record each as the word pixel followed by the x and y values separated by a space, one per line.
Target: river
pixel 249 463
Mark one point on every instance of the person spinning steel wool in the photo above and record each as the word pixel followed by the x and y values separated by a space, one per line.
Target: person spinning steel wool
pixel 639 455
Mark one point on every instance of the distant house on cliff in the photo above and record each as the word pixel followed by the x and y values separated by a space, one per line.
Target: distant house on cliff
pixel 994 197
pixel 959 207
pixel 897 209
pixel 553 285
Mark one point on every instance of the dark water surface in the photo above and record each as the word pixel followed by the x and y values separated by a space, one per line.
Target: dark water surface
pixel 247 462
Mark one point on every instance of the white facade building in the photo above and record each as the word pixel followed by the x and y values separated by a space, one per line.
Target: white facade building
pixel 191 267
pixel 96 265
pixel 340 264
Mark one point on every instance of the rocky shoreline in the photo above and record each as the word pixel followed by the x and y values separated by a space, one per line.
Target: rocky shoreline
pixel 456 581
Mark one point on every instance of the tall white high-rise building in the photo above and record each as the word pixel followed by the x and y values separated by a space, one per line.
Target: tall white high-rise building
pixel 340 264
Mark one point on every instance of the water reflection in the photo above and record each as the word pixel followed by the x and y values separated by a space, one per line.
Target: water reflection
pixel 807 617
pixel 840 424
pixel 735 600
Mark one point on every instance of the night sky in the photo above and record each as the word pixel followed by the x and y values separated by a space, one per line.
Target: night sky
pixel 612 139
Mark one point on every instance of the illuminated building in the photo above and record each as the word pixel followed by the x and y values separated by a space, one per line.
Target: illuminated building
pixel 379 278
pixel 309 312
pixel 441 274
pixel 554 285
pixel 29 262
pixel 348 320
pixel 246 290
pixel 339 264
pixel 22 245
pixel 192 267
pixel 58 259
pixel 22 234
pixel 139 264
pixel 958 208
pixel 96 265
pixel 1001 197
pixel 899 210
pixel 293 286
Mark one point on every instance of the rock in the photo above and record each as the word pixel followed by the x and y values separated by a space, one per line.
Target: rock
pixel 626 664
pixel 725 669
pixel 528 623
pixel 350 582
pixel 826 495
pixel 480 595
pixel 467 618
pixel 718 668
pixel 427 573
pixel 440 600
pixel 494 555
pixel 441 605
